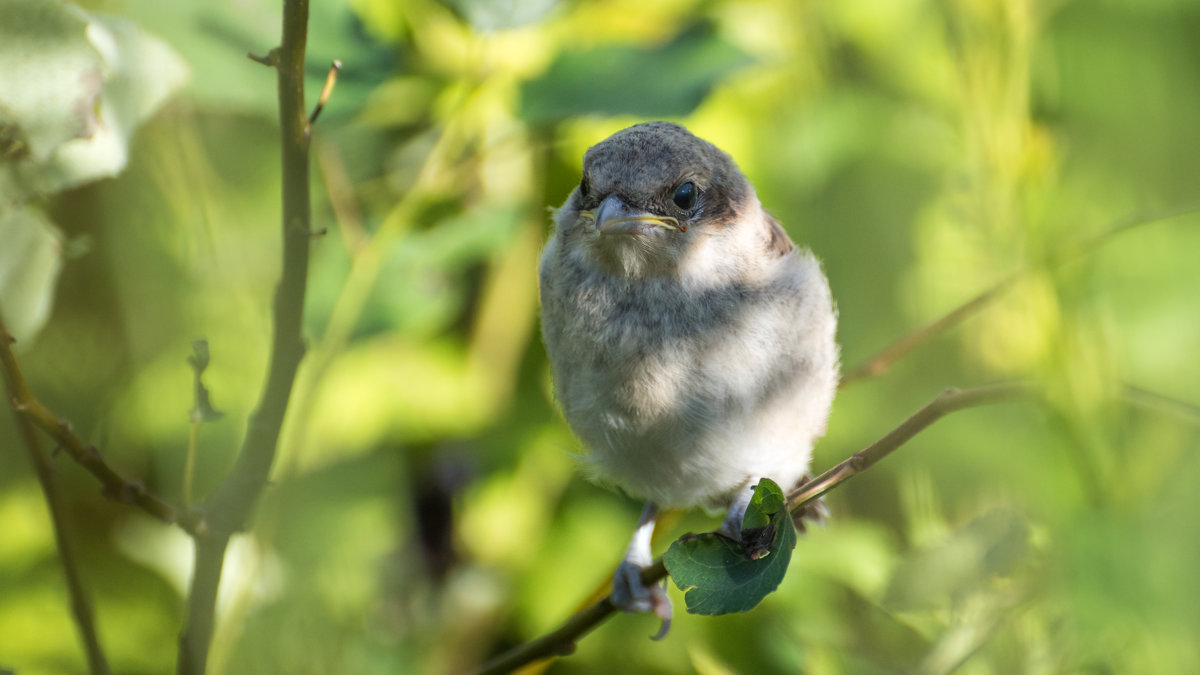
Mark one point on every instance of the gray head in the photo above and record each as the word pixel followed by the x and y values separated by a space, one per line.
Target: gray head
pixel 648 192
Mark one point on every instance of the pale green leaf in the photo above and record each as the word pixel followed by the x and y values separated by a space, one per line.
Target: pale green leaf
pixel 30 259
pixel 73 88
pixel 140 73
pixel 50 76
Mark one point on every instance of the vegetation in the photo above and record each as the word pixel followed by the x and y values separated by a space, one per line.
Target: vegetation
pixel 424 512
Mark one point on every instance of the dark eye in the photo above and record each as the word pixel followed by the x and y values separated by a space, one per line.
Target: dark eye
pixel 685 196
pixel 584 187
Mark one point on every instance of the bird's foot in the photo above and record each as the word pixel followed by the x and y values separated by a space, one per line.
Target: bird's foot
pixel 755 541
pixel 630 594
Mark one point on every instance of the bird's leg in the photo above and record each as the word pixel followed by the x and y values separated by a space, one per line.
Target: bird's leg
pixel 629 594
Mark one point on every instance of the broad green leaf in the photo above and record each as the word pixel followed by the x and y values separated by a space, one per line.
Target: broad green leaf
pixel 716 574
pixel 666 81
pixel 30 258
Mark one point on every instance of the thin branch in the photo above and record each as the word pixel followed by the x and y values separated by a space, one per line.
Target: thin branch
pixel 230 506
pixel 81 604
pixel 947 402
pixel 326 91
pixel 562 641
pixel 882 360
pixel 879 363
pixel 270 60
pixel 115 486
pixel 1149 400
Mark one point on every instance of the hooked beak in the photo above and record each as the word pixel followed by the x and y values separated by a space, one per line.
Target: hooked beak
pixel 614 216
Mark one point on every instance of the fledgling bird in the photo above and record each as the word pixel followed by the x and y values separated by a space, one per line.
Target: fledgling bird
pixel 692 343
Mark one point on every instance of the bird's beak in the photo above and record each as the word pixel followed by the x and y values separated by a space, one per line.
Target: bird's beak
pixel 614 216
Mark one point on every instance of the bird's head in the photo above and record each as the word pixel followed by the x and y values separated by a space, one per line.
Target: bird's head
pixel 648 195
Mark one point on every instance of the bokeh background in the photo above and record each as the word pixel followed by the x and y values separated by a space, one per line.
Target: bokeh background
pixel 424 511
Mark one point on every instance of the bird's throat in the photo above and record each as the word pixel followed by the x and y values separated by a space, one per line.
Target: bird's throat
pixel 634 256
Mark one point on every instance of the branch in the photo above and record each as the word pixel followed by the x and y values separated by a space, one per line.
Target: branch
pixel 1149 400
pixel 947 402
pixel 326 91
pixel 81 604
pixel 230 506
pixel 562 641
pixel 115 486
pixel 882 360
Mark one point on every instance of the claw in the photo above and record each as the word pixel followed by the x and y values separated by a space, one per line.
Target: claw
pixel 629 593
pixel 632 596
pixel 662 609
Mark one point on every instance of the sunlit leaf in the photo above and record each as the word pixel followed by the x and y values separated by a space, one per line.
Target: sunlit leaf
pixel 767 501
pixel 665 81
pixel 30 259
pixel 716 574
pixel 75 86
pixel 140 73
pixel 51 75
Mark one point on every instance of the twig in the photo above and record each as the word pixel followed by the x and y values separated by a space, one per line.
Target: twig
pixel 230 505
pixel 562 641
pixel 947 402
pixel 81 605
pixel 326 91
pixel 202 411
pixel 270 60
pixel 114 486
pixel 1149 400
pixel 879 363
pixel 189 463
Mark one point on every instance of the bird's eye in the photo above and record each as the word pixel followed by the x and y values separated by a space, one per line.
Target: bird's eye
pixel 685 196
pixel 584 187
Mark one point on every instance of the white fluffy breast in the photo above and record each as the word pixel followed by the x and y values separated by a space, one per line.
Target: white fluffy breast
pixel 685 387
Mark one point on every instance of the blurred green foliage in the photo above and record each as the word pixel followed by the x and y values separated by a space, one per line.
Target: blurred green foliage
pixel 923 149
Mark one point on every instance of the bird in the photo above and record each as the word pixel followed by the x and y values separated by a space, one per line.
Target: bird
pixel 692 344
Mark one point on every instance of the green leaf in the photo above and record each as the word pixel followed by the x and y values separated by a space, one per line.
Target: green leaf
pixel 716 574
pixel 666 81
pixel 767 501
pixel 50 75
pixel 73 87
pixel 140 73
pixel 30 258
